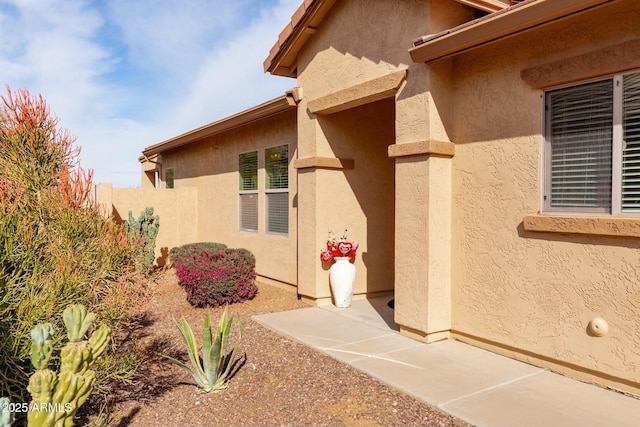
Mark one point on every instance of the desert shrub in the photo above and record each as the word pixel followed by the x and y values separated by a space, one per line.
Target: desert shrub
pixel 216 278
pixel 181 254
pixel 55 248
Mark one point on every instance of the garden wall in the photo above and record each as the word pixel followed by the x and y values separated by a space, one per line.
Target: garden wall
pixel 177 208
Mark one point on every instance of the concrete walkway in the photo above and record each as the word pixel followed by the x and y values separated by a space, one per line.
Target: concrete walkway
pixel 477 386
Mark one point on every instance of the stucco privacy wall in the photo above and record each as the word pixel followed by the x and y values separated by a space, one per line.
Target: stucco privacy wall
pixel 210 167
pixel 176 209
pixel 528 294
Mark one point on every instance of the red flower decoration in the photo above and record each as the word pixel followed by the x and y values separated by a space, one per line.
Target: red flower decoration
pixel 325 256
pixel 338 248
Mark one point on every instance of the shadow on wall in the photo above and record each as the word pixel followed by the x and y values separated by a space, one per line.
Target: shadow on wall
pixel 581 239
pixel 163 259
pixel 364 134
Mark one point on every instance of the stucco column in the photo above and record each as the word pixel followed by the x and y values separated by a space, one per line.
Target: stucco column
pixel 422 217
pixel 315 167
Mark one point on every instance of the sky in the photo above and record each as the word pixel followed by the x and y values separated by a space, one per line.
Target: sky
pixel 122 75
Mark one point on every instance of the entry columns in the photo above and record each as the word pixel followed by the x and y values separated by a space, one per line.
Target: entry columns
pixel 422 220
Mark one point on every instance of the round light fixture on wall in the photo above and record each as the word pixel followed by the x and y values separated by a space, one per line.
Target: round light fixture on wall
pixel 598 327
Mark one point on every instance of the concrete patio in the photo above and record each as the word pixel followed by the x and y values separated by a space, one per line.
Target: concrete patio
pixel 477 386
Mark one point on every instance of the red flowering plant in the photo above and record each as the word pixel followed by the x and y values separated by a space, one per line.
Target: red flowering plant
pixel 338 248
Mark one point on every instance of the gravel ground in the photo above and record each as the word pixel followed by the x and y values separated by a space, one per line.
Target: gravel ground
pixel 279 383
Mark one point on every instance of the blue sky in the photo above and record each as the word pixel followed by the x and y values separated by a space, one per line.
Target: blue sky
pixel 125 74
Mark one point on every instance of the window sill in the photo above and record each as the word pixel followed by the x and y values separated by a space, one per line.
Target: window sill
pixel 599 226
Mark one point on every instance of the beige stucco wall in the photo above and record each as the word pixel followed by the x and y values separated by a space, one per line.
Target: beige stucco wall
pixel 453 222
pixel 532 294
pixel 176 210
pixel 211 167
pixel 359 42
pixel 361 198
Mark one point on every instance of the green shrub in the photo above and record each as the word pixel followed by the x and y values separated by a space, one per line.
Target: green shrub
pixel 55 248
pixel 216 278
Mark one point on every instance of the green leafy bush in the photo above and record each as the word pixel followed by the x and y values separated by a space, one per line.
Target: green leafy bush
pixel 218 277
pixel 56 249
pixel 212 372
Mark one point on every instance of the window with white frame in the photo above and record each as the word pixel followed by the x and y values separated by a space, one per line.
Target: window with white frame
pixel 248 190
pixel 277 189
pixel 592 147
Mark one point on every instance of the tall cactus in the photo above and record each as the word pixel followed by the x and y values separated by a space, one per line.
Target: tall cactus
pixel 57 397
pixel 144 231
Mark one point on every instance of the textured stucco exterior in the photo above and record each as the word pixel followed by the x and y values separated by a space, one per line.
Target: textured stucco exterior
pixel 203 206
pixel 211 167
pixel 176 209
pixel 348 62
pixel 435 168
pixel 532 294
pixel 464 264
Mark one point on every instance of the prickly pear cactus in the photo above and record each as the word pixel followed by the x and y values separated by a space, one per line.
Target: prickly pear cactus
pixel 57 397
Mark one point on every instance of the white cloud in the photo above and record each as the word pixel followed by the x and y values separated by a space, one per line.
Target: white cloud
pixel 231 78
pixel 124 74
pixel 169 33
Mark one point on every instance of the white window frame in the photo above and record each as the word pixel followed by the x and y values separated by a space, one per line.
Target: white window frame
pixel 249 192
pixel 276 190
pixel 617 149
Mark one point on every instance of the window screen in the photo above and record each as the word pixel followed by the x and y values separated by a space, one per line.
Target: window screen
pixel 277 189
pixel 248 167
pixel 278 212
pixel 248 190
pixel 249 212
pixel 580 121
pixel 277 167
pixel 168 178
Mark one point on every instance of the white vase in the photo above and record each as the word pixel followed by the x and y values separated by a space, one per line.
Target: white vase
pixel 342 277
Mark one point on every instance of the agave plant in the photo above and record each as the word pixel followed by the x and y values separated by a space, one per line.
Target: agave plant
pixel 210 373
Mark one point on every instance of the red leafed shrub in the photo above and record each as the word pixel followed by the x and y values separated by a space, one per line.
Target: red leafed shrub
pixel 217 277
pixel 181 254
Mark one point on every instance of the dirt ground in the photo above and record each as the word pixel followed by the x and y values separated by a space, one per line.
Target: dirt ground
pixel 279 382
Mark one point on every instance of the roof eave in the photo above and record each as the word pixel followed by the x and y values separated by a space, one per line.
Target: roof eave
pixel 486 5
pixel 283 57
pixel 512 20
pixel 257 113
